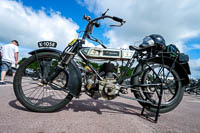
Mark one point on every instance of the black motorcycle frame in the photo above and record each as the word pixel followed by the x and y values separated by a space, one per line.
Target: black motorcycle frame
pixel 75 48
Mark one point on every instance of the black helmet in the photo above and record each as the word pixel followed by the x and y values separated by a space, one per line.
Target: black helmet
pixel 154 40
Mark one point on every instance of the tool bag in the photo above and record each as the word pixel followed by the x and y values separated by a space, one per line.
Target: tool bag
pixel 174 52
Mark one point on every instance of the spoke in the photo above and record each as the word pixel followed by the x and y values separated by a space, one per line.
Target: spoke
pixel 54 96
pixel 35 94
pixel 30 88
pixel 48 95
pixel 39 102
pixel 165 96
pixel 156 90
pixel 29 84
pixel 167 75
pixel 171 91
pixel 160 70
pixel 155 98
pixel 59 95
pixel 163 76
pixel 43 94
pixel 31 91
pixel 168 96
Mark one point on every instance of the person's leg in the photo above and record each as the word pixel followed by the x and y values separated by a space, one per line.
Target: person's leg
pixel 3 74
pixel 4 68
pixel 13 71
pixel 0 69
pixel 13 75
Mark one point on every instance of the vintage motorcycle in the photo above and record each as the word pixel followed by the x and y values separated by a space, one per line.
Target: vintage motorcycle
pixel 49 78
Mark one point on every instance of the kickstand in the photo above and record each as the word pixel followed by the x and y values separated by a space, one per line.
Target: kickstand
pixel 158 108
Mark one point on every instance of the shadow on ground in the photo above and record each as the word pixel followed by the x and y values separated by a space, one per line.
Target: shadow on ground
pixel 91 105
pixel 100 106
pixel 14 104
pixel 97 106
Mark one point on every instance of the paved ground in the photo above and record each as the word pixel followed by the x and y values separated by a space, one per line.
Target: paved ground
pixel 85 115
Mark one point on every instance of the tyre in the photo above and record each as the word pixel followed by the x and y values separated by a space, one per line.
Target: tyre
pixel 158 73
pixel 36 95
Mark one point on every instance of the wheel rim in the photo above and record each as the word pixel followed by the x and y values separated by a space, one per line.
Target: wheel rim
pixel 41 95
pixel 170 84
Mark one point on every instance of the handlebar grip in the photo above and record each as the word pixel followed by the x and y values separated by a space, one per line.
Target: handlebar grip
pixel 118 19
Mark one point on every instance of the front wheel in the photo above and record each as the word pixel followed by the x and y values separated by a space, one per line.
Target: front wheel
pixel 157 73
pixel 35 94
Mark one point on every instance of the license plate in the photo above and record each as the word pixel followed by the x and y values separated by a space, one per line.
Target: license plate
pixel 47 44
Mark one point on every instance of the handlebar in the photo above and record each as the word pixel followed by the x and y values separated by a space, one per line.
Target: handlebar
pixel 90 25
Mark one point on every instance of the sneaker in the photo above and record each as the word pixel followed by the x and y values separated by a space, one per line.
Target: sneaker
pixel 2 83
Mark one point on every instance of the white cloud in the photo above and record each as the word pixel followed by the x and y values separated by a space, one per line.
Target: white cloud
pixel 195 67
pixel 88 44
pixel 175 20
pixel 29 26
pixel 196 46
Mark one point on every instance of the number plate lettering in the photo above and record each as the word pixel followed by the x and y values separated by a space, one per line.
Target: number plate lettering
pixel 47 44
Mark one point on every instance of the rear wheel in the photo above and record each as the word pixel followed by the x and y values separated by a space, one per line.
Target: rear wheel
pixel 31 90
pixel 158 73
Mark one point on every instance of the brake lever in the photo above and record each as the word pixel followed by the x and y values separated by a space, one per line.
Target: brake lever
pixel 121 24
pixel 112 25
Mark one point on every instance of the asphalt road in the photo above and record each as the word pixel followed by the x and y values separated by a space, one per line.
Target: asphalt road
pixel 86 115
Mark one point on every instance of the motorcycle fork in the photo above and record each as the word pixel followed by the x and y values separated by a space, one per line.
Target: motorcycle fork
pixel 62 63
pixel 67 55
pixel 40 67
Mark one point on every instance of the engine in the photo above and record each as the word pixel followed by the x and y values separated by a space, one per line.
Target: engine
pixel 106 88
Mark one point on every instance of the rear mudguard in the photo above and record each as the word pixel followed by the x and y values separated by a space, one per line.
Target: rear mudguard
pixel 75 80
pixel 182 70
pixel 186 67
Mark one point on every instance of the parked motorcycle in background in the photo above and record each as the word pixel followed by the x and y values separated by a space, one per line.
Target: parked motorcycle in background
pixel 193 87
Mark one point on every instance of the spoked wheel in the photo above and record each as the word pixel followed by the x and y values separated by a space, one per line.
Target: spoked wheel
pixel 37 95
pixel 163 77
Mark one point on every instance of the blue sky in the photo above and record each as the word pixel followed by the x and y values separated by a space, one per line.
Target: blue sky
pixel 72 9
pixel 69 9
pixel 30 21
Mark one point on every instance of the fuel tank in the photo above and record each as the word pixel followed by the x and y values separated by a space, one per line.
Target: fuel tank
pixel 102 53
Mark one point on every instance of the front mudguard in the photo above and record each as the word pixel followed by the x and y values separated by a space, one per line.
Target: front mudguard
pixel 75 79
pixel 45 50
pixel 182 70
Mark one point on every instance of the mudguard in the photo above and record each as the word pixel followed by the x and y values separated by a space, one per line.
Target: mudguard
pixel 75 80
pixel 45 50
pixel 186 67
pixel 182 70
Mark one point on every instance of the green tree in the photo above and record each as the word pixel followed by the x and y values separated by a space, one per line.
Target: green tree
pixel 20 62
